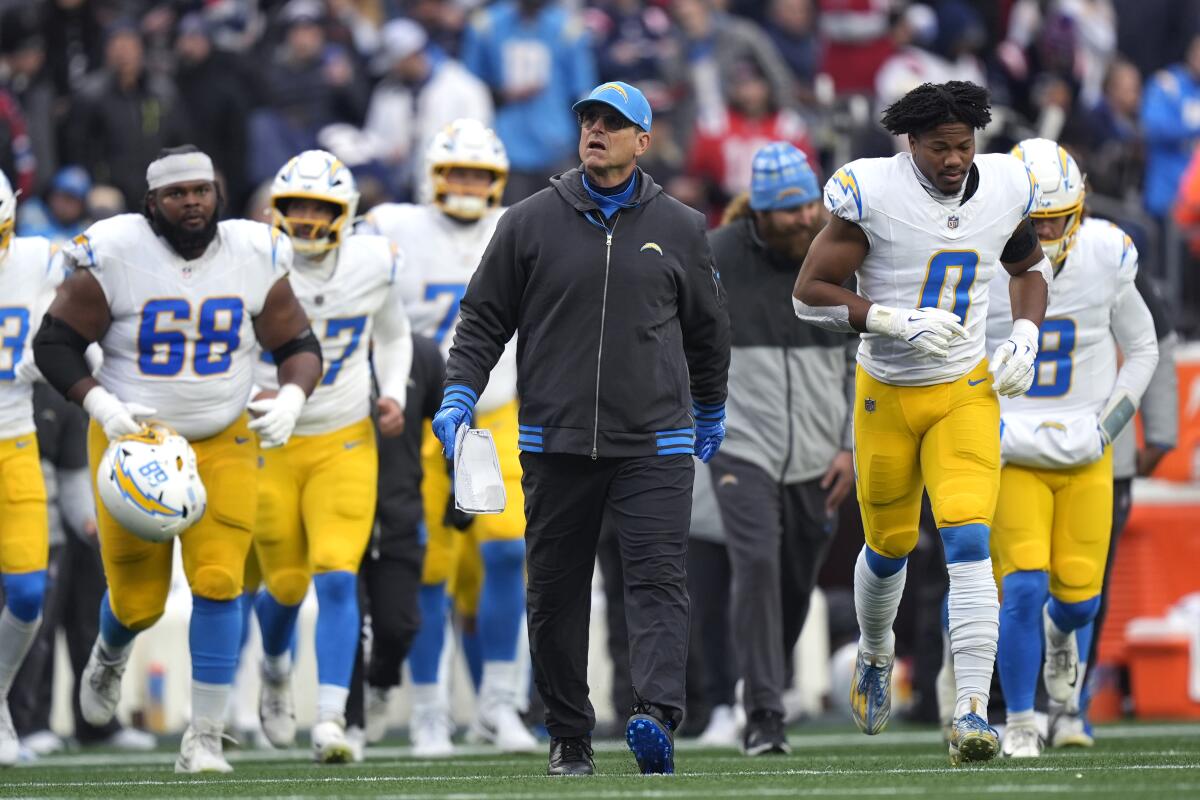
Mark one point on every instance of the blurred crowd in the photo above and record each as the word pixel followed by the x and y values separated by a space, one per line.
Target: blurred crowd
pixel 91 89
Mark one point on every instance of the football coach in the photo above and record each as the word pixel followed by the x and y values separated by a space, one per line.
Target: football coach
pixel 622 359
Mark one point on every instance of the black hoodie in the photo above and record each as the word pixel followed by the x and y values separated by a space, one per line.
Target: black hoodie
pixel 621 323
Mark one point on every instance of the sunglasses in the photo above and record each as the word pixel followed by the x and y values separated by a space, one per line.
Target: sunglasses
pixel 612 120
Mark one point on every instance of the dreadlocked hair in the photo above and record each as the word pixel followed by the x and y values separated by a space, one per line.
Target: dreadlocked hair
pixel 933 104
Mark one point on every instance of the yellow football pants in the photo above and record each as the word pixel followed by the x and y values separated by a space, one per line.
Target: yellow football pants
pixel 944 437
pixel 451 556
pixel 214 548
pixel 1057 521
pixel 316 507
pixel 24 525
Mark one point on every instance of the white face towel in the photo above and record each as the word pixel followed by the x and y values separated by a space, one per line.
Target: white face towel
pixel 478 484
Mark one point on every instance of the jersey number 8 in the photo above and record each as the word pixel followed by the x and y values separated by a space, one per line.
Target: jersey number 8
pixel 14 327
pixel 1052 370
pixel 163 352
pixel 940 266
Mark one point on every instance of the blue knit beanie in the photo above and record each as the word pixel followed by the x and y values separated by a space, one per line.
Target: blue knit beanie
pixel 781 178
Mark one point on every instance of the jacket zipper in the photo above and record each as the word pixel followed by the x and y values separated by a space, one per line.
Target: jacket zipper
pixel 608 236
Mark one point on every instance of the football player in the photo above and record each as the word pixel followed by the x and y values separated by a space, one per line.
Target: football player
pixel 923 231
pixel 445 240
pixel 316 494
pixel 30 269
pixel 1054 514
pixel 177 301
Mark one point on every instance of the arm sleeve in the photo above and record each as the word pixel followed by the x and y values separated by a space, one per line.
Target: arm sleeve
pixel 393 348
pixel 489 310
pixel 705 323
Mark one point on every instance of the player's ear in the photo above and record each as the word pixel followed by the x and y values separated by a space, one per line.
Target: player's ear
pixel 643 143
pixel 148 204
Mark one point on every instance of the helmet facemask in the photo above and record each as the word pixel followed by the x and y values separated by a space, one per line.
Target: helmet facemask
pixel 1056 250
pixel 311 236
pixel 466 200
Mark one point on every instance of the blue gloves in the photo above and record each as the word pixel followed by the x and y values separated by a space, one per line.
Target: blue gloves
pixel 710 429
pixel 458 407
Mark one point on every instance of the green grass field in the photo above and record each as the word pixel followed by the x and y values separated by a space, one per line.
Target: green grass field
pixel 1128 762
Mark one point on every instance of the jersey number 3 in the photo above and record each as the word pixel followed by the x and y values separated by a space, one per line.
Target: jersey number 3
pixel 941 265
pixel 163 350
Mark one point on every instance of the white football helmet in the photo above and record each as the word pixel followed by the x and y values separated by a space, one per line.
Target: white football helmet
pixel 315 175
pixel 466 144
pixel 1061 185
pixel 8 212
pixel 149 482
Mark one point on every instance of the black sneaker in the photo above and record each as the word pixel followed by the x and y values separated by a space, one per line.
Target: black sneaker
pixel 571 755
pixel 651 739
pixel 764 734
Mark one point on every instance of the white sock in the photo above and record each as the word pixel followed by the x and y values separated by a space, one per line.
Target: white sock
pixel 425 695
pixel 277 667
pixel 1024 718
pixel 15 638
pixel 499 683
pixel 331 702
pixel 974 629
pixel 209 701
pixel 112 654
pixel 876 600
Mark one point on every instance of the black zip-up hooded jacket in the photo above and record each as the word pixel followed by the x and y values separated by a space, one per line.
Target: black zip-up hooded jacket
pixel 621 323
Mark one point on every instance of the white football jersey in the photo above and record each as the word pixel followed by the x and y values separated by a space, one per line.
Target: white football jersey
pixel 923 254
pixel 441 256
pixel 1055 423
pixel 342 299
pixel 29 272
pixel 182 335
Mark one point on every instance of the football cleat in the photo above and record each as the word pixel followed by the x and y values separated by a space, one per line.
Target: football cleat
pixel 1061 668
pixel 499 724
pixel 1069 730
pixel 10 745
pixel 871 692
pixel 200 750
pixel 100 687
pixel 722 729
pixel 1022 741
pixel 765 734
pixel 651 742
pixel 329 742
pixel 377 713
pixel 430 732
pixel 275 710
pixel 972 738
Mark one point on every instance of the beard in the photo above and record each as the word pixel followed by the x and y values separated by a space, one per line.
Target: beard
pixel 793 242
pixel 182 240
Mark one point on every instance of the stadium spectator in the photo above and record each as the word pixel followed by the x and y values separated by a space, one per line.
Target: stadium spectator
pixel 536 58
pixel 16 150
pixel 856 42
pixel 214 86
pixel 711 46
pixel 1171 122
pixel 786 465
pixel 443 20
pixel 631 39
pixel 1106 137
pixel 422 91
pixel 307 84
pixel 123 115
pixel 726 139
pixel 791 24
pixel 23 71
pixel 61 212
pixel 76 585
pixel 75 41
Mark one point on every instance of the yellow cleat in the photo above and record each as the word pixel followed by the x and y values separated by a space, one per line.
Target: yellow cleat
pixel 972 738
pixel 871 692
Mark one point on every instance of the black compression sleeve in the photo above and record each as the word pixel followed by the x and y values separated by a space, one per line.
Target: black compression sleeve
pixel 1020 244
pixel 58 351
pixel 304 343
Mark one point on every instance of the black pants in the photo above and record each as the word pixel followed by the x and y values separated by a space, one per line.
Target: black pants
pixel 648 503
pixel 609 558
pixel 709 577
pixel 777 535
pixel 76 586
pixel 1122 504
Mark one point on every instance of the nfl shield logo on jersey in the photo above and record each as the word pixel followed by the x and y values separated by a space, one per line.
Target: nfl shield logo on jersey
pixel 869 405
pixel 952 222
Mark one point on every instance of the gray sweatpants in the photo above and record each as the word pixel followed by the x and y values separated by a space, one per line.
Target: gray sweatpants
pixel 778 536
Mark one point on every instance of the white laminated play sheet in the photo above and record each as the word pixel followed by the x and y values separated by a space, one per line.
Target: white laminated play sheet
pixel 478 484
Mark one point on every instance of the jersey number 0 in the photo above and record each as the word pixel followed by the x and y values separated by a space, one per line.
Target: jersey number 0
pixel 941 265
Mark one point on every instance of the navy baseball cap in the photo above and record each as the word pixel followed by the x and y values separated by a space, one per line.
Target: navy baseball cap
pixel 781 178
pixel 626 99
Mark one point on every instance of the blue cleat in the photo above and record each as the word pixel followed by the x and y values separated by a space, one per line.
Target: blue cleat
pixel 871 692
pixel 973 739
pixel 652 744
